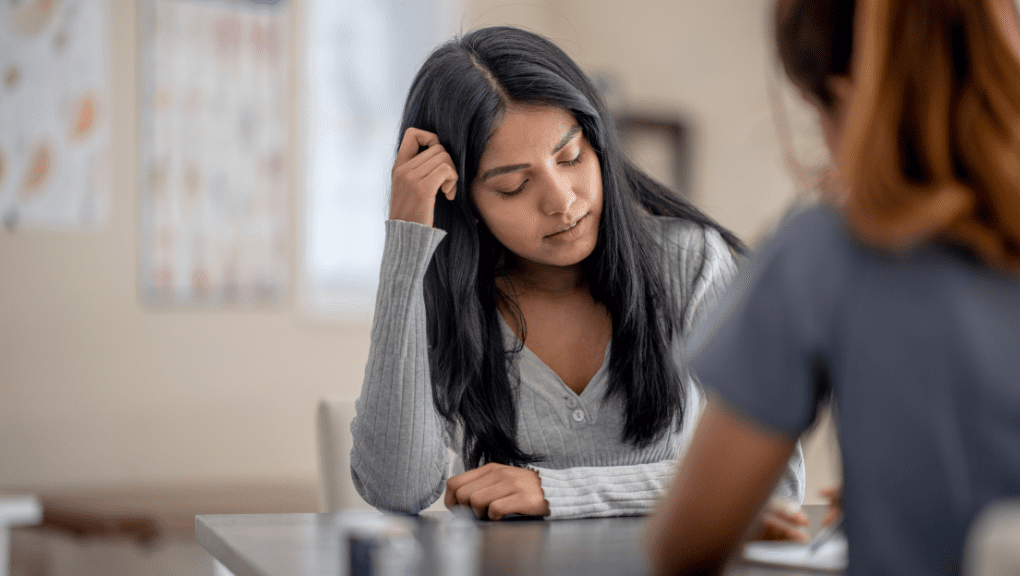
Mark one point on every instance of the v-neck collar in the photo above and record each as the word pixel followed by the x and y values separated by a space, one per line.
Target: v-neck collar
pixel 552 386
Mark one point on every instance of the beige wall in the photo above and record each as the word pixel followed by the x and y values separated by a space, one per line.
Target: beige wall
pixel 95 387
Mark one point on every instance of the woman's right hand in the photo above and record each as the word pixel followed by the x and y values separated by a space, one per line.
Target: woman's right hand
pixel 418 177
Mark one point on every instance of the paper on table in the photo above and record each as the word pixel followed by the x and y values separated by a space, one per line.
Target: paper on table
pixel 830 556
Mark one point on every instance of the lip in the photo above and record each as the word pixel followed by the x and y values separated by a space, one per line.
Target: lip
pixel 572 227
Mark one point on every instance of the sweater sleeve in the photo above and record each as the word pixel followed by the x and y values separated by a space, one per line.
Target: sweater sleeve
pixel 596 491
pixel 399 457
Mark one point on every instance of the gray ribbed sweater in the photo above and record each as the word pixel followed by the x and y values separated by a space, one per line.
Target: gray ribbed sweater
pixel 400 459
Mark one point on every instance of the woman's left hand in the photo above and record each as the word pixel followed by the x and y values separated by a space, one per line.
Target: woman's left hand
pixel 835 497
pixel 495 490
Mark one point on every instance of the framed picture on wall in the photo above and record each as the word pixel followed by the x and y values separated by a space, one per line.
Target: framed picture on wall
pixel 215 152
pixel 54 115
pixel 661 145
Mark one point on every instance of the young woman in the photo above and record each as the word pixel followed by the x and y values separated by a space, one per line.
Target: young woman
pixel 535 295
pixel 898 299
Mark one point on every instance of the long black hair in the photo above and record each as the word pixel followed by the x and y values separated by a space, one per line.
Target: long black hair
pixel 460 94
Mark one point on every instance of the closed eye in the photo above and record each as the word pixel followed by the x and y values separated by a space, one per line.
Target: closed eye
pixel 512 192
pixel 575 161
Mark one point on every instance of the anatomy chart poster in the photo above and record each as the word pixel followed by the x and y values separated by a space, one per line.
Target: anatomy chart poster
pixel 214 126
pixel 54 114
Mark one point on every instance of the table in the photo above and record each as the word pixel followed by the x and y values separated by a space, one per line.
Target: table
pixel 315 544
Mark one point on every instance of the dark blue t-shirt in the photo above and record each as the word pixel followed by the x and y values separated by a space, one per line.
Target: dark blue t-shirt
pixel 920 353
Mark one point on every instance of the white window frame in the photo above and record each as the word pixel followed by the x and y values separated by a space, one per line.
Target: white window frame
pixel 352 120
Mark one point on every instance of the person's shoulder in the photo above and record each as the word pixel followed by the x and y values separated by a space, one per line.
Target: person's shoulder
pixel 682 237
pixel 811 234
pixel 693 252
pixel 674 228
pixel 817 220
pixel 810 258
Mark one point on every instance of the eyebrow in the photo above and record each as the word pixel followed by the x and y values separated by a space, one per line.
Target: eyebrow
pixel 570 135
pixel 567 138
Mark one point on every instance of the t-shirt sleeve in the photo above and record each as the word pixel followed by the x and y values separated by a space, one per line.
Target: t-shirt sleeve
pixel 765 351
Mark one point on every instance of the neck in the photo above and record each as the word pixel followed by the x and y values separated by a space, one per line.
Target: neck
pixel 528 278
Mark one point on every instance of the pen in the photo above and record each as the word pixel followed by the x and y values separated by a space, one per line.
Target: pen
pixel 825 534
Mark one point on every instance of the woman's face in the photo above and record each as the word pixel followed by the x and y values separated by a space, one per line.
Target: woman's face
pixel 539 187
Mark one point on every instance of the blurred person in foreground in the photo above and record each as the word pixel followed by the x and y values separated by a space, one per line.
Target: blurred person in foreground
pixel 897 299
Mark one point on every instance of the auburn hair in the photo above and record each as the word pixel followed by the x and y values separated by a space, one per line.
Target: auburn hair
pixel 931 144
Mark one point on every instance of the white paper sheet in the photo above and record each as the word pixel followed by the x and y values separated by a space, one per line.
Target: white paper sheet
pixel 831 556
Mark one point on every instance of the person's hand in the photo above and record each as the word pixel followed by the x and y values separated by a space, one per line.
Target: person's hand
pixel 418 177
pixel 780 523
pixel 835 498
pixel 495 490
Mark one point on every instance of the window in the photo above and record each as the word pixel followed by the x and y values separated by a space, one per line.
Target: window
pixel 360 60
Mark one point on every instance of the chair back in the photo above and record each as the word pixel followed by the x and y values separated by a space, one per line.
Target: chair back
pixel 333 425
pixel 336 488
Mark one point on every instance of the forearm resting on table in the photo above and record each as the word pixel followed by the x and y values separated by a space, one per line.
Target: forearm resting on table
pixel 720 488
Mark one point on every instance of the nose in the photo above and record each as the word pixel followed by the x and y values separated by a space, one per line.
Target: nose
pixel 558 197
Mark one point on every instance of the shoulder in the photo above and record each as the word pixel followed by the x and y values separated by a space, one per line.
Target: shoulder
pixel 682 234
pixel 689 241
pixel 804 269
pixel 810 239
pixel 813 229
pixel 692 251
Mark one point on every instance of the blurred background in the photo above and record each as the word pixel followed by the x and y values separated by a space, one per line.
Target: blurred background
pixel 164 343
